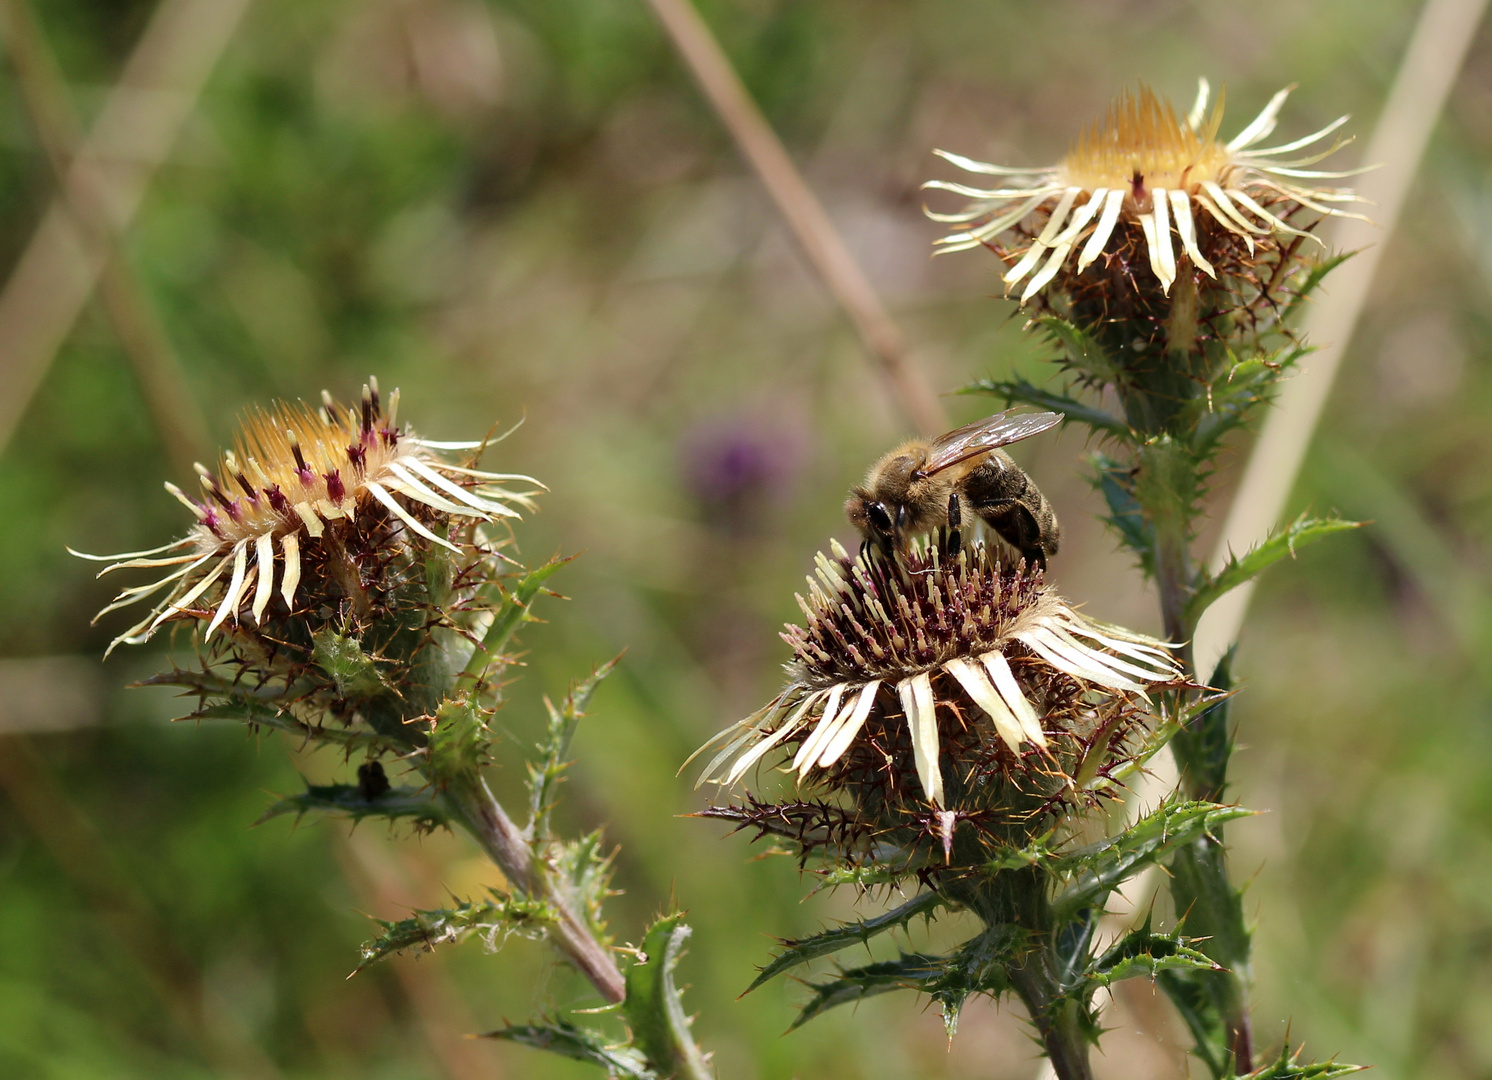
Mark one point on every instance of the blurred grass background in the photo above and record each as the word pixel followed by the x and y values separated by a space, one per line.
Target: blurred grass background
pixel 523 207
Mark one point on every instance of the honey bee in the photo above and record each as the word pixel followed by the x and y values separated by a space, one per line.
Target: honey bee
pixel 924 485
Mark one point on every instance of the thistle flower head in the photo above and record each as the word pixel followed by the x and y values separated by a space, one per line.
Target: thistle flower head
pixel 309 498
pixel 1142 177
pixel 968 675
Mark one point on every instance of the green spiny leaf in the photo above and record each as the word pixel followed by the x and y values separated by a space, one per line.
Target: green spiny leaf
pixel 1021 392
pixel 1302 530
pixel 1203 744
pixel 654 1009
pixel 1230 399
pixel 845 935
pixel 978 967
pixel 1098 869
pixel 1311 282
pixel 544 777
pixel 1197 1008
pixel 351 800
pixel 260 713
pixel 586 874
pixel 1080 350
pixel 492 920
pixel 579 1044
pixel 1214 908
pixel 1166 484
pixel 863 876
pixel 458 742
pixel 1288 1067
pixel 1115 482
pixel 1143 953
pixel 350 667
pixel 511 613
pixel 214 684
pixel 1039 852
pixel 910 970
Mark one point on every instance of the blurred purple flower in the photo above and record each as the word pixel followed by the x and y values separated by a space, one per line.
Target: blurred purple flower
pixel 737 466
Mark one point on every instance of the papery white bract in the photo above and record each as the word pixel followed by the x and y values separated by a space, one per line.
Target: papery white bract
pixel 1185 189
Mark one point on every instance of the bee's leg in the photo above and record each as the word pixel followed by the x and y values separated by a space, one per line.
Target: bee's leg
pixel 955 540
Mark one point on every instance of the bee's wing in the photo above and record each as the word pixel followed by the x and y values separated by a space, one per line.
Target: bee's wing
pixel 985 435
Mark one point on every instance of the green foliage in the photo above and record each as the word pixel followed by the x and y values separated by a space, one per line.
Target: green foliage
pixel 1194 1002
pixel 352 800
pixel 863 876
pixel 1315 274
pixel 585 875
pixel 979 966
pixel 1116 483
pixel 1287 1066
pixel 847 934
pixel 1095 871
pixel 654 1009
pixel 561 1037
pixel 1079 351
pixel 1167 484
pixel 459 741
pixel 512 611
pixel 492 920
pixel 343 658
pixel 1021 392
pixel 1240 569
pixel 1210 1001
pixel 544 776
pixel 1142 953
pixel 1203 744
pixel 1231 397
pixel 258 713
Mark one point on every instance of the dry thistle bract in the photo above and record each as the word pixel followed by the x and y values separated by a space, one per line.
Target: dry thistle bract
pixel 1144 179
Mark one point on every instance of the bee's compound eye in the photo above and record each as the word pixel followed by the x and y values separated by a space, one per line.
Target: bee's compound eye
pixel 878 516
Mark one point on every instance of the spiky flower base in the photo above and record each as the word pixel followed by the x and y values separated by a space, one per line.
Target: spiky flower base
pixel 932 689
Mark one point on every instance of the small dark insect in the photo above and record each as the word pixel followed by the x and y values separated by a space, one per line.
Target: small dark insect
pixel 924 485
pixel 372 781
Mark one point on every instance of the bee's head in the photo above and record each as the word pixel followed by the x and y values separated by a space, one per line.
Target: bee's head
pixel 874 518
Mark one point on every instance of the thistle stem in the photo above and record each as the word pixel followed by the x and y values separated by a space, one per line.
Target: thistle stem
pixel 1200 883
pixel 484 817
pixel 1059 1020
pixel 1019 898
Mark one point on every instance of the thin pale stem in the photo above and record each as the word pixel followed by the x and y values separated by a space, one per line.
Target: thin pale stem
pixel 55 275
pixel 126 300
pixel 802 211
pixel 1442 35
pixel 484 817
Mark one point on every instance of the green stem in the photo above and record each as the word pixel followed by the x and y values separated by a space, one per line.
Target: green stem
pixel 1019 897
pixel 472 803
pixel 1200 884
pixel 1058 1019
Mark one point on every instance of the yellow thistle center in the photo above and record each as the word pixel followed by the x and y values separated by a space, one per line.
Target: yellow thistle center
pixel 1140 146
pixel 294 465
